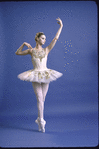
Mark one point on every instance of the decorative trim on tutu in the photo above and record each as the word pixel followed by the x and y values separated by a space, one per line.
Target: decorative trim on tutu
pixel 44 76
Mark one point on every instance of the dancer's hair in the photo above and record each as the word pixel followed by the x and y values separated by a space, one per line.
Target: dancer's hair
pixel 38 35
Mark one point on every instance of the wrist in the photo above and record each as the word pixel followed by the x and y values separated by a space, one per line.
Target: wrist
pixel 61 25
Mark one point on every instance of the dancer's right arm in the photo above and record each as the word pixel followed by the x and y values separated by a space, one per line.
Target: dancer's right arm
pixel 25 52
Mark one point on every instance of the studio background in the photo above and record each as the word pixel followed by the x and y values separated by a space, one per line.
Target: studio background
pixel 71 106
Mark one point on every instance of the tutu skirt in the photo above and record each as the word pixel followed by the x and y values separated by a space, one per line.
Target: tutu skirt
pixel 43 76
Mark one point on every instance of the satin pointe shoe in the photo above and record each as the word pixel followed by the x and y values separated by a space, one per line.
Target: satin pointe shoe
pixel 42 125
pixel 37 121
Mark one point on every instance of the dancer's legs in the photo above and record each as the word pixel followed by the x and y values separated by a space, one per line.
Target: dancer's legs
pixel 40 91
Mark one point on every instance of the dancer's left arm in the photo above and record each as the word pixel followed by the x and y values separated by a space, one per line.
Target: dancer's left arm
pixel 52 44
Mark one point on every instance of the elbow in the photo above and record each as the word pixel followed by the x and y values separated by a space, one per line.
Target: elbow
pixel 16 53
pixel 55 39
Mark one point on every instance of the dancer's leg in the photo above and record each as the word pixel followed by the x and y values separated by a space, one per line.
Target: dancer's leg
pixel 39 95
pixel 45 87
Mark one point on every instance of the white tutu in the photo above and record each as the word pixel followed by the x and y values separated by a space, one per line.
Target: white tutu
pixel 44 76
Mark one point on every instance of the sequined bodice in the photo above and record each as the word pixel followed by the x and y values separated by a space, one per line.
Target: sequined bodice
pixel 39 60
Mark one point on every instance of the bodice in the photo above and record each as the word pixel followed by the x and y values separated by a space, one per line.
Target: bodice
pixel 39 60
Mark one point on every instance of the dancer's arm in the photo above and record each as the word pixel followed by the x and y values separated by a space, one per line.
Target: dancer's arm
pixel 25 52
pixel 52 44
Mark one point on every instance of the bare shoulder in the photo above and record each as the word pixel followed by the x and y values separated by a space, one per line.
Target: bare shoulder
pixel 30 51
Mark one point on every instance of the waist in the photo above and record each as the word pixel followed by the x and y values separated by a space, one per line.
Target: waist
pixel 40 68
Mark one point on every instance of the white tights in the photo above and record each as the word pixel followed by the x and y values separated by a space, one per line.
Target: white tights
pixel 40 90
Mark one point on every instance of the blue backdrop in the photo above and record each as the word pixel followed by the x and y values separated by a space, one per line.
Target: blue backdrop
pixel 71 107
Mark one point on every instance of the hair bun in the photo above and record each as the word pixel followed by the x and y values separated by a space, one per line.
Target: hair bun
pixel 38 35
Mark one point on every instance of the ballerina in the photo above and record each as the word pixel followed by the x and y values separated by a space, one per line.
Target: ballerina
pixel 40 76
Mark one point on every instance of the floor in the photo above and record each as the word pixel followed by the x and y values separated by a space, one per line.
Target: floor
pixel 61 131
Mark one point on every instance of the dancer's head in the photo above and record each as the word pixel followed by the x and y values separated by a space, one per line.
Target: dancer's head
pixel 40 38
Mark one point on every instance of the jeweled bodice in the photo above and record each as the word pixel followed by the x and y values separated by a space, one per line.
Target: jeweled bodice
pixel 39 54
pixel 39 59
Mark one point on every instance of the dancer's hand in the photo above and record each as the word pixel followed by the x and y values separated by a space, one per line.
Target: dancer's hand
pixel 59 21
pixel 28 45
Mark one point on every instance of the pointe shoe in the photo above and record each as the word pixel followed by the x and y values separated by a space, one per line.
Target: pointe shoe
pixel 37 121
pixel 42 124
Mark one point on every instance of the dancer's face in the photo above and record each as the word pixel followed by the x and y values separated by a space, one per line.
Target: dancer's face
pixel 42 39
